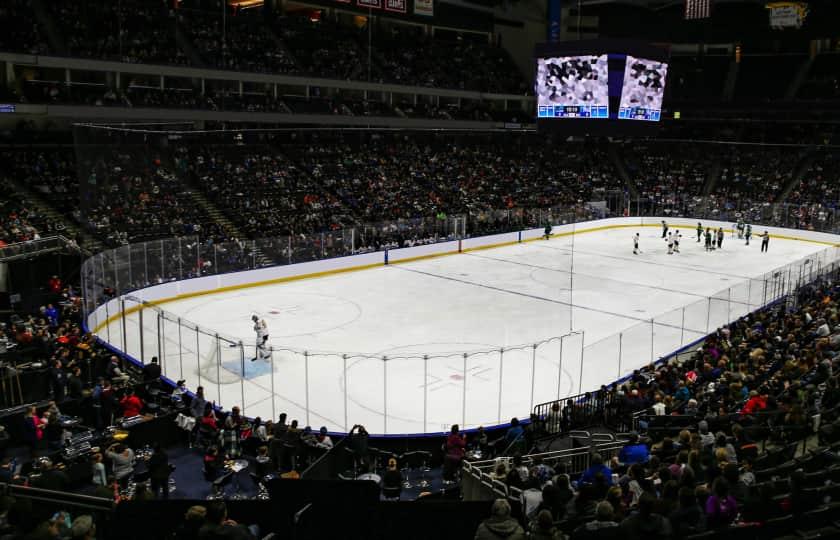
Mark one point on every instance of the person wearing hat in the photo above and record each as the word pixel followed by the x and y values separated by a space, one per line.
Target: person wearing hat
pixel 323 440
pixel 179 391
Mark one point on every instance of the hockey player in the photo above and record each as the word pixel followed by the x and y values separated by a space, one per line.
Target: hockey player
pixel 664 229
pixel 261 329
pixel 547 234
pixel 720 238
pixel 708 239
pixel 748 234
pixel 740 228
pixel 765 241
pixel 670 242
pixel 677 237
pixel 636 244
pixel 699 231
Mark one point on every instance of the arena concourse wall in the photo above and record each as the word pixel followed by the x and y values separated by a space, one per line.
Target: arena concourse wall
pixel 176 290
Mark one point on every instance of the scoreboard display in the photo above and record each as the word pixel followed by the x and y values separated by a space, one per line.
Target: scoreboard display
pixel 642 89
pixel 610 81
pixel 572 87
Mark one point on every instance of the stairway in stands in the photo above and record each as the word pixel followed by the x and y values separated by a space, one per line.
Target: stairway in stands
pixel 621 169
pixel 230 229
pixel 796 177
pixel 73 230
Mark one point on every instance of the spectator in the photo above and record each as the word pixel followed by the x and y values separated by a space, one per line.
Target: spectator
pixel 456 444
pixel 159 471
pixel 131 405
pixel 688 518
pixel 123 462
pixel 193 521
pixel 83 528
pixel 644 524
pixel 721 507
pixel 198 403
pixel 596 466
pixel 543 528
pixel 634 451
pixel 323 439
pixel 99 477
pixel 217 525
pixel 500 525
pixel 603 527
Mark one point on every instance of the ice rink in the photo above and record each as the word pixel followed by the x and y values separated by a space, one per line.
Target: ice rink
pixel 472 338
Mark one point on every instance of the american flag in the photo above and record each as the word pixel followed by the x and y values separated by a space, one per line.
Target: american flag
pixel 698 9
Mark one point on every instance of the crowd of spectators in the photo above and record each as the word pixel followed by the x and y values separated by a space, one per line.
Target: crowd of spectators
pixel 324 48
pixel 150 31
pixel 699 462
pixel 19 30
pixel 669 175
pixel 132 196
pixel 131 31
pixel 333 182
pixel 240 43
pixel 463 62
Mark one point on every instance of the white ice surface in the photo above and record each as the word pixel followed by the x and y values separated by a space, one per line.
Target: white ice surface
pixel 478 303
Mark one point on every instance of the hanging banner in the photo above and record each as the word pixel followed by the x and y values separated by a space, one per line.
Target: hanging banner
pixel 374 4
pixel 424 7
pixel 787 14
pixel 397 6
pixel 554 11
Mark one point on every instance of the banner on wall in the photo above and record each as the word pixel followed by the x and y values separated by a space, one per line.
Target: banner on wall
pixel 398 6
pixel 424 7
pixel 374 4
pixel 553 33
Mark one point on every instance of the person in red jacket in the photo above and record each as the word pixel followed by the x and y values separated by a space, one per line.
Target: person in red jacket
pixel 455 448
pixel 756 403
pixel 55 285
pixel 131 405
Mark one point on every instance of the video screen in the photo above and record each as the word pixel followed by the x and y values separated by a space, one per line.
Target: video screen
pixel 642 89
pixel 572 87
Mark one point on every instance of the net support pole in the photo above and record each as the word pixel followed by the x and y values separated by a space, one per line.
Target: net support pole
pixel 533 373
pixel 652 355
pixel 124 332
pixel 241 348
pixel 273 395
pixel 501 378
pixel 464 392
pixel 708 314
pixel 580 379
pixel 197 355
pixel 306 383
pixel 159 338
pixel 620 344
pixel 107 324
pixel 344 357
pixel 749 295
pixel 180 351
pixel 728 305
pixel 218 368
pixel 384 390
pixel 425 391
pixel 560 368
pixel 142 336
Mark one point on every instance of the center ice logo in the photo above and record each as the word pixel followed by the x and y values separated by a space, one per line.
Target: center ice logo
pixel 290 310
